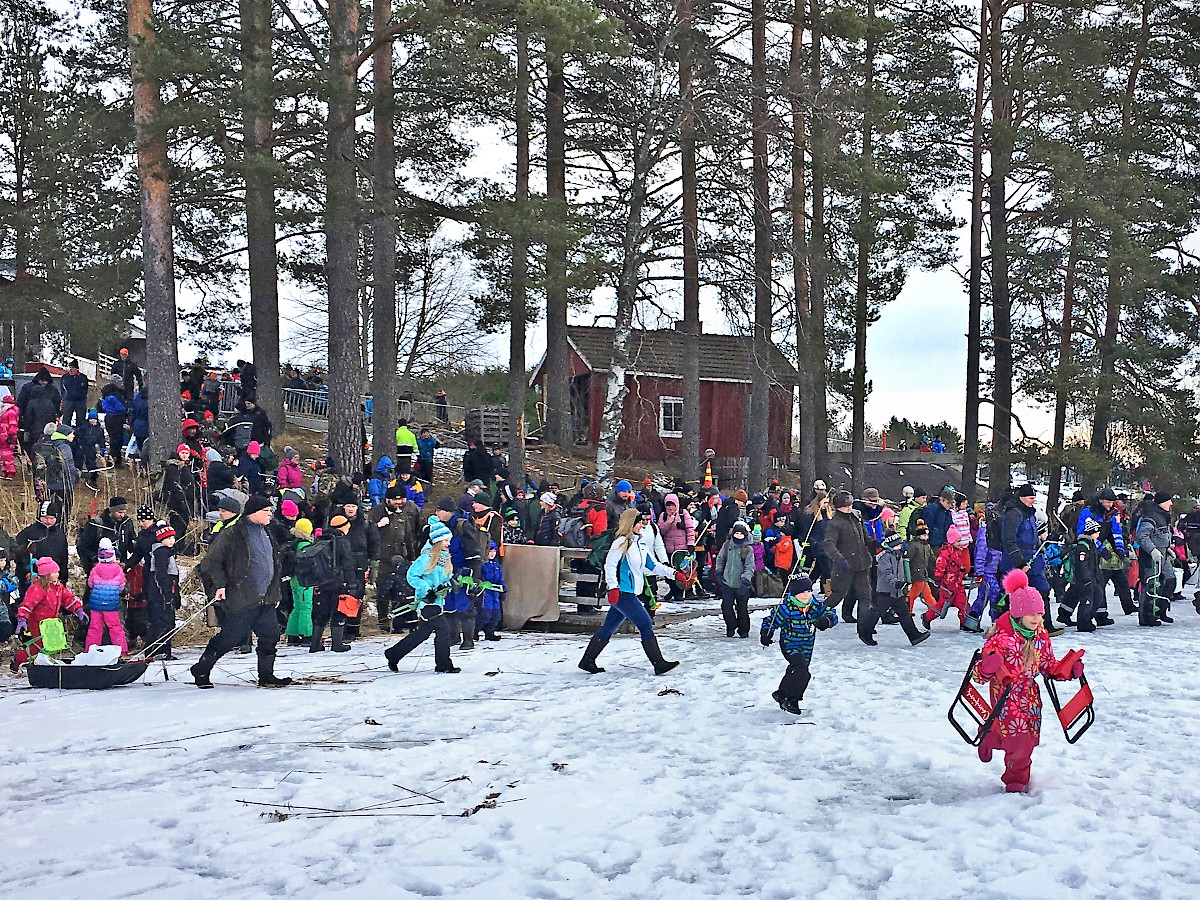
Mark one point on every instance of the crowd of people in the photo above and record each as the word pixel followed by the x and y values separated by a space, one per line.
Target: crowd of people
pixel 295 549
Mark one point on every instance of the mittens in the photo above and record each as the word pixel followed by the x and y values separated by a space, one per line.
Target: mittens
pixel 991 664
pixel 764 638
pixel 824 623
pixel 614 594
pixel 22 625
pixel 843 566
pixel 81 615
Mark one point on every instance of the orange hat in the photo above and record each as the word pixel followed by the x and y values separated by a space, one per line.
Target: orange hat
pixel 339 522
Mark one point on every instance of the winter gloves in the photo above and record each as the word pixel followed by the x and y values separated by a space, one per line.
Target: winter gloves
pixel 843 566
pixel 614 594
pixel 1156 555
pixel 81 615
pixel 22 626
pixel 825 622
pixel 764 638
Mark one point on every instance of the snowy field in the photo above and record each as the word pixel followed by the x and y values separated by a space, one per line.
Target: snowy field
pixel 523 777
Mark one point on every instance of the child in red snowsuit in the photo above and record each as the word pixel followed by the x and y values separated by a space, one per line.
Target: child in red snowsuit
pixel 953 564
pixel 10 418
pixel 1016 651
pixel 46 598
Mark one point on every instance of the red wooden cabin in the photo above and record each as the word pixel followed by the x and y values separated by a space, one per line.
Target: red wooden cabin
pixel 654 405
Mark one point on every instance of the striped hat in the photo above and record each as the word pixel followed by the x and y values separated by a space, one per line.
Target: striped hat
pixel 438 530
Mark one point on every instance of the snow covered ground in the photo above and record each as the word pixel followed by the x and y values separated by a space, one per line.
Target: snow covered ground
pixel 618 785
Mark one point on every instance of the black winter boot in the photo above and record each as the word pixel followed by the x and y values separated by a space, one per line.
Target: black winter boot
pixel 594 648
pixel 316 643
pixel 661 666
pixel 337 642
pixel 848 612
pixel 200 671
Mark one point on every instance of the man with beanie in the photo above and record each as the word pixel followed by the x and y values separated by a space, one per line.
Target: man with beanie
pixel 731 512
pixel 113 523
pixel 1153 532
pixel 1104 509
pixel 241 572
pixel 936 516
pixel 621 500
pixel 849 558
pixel 43 538
pixel 391 534
pixel 74 395
pixel 1020 547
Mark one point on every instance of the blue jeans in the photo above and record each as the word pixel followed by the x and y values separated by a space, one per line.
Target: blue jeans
pixel 628 607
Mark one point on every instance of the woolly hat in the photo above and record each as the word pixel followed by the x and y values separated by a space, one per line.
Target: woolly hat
pixel 257 503
pixel 739 527
pixel 8 398
pixel 623 485
pixel 1026 490
pixel 842 499
pixel 447 504
pixel 438 531
pixel 106 551
pixel 893 540
pixel 395 492
pixel 163 531
pixel 953 535
pixel 92 414
pixel 289 509
pixel 254 447
pixel 145 513
pixel 741 496
pixel 229 504
pixel 212 455
pixel 189 423
pixel 799 584
pixel 549 499
pixel 1077 497
pixel 303 528
pixel 922 530
pixel 920 492
pixel 481 500
pixel 182 449
pixel 1161 497
pixel 47 509
pixel 118 503
pixel 1092 527
pixel 290 452
pixel 46 566
pixel 1023 600
pixel 1107 494
pixel 339 522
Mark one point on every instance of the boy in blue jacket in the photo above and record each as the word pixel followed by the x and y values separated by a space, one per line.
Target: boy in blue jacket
pixel 798 618
pixel 489 607
pixel 89 446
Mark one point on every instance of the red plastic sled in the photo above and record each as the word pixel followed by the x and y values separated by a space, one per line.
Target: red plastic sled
pixel 1077 714
pixel 977 706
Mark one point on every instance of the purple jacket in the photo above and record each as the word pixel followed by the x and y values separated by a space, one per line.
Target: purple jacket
pixel 987 560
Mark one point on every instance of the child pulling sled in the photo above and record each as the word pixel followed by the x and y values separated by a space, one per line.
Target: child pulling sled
pixel 1016 650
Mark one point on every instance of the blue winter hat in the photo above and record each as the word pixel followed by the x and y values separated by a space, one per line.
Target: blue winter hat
pixel 438 531
pixel 92 414
pixel 623 485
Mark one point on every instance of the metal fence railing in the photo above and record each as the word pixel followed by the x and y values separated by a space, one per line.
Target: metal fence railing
pixel 314 404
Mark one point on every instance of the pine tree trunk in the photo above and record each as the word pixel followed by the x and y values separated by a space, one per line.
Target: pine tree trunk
pixel 760 415
pixel 520 269
pixel 1118 237
pixel 1002 149
pixel 817 255
pixel 975 276
pixel 689 462
pixel 259 89
pixel 865 239
pixel 806 340
pixel 341 241
pixel 158 257
pixel 1062 388
pixel 384 378
pixel 556 381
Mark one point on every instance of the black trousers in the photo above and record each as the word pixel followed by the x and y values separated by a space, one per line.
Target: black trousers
pixel 735 607
pixel 439 627
pixel 325 611
pixel 160 613
pixel 795 680
pixel 236 629
pixel 871 612
pixel 115 426
pixel 849 588
pixel 1120 583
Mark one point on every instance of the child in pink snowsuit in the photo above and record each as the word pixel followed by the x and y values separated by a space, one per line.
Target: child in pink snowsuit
pixel 10 418
pixel 46 598
pixel 1016 651
pixel 953 563
pixel 107 581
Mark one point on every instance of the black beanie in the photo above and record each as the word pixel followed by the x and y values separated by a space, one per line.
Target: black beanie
pixel 1026 490
pixel 255 504
pixel 1161 497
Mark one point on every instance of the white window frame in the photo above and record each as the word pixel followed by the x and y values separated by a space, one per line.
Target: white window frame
pixel 662 406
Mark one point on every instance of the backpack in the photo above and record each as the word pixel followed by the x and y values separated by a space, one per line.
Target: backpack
pixel 785 552
pixel 316 564
pixel 993 514
pixel 571 532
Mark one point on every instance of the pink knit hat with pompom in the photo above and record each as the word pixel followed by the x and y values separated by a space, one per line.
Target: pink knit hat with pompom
pixel 1023 600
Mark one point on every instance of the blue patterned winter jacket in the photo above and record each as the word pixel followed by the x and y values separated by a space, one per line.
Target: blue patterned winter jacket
pixel 797 627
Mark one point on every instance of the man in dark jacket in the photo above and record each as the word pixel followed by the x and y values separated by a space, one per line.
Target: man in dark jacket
pixel 391 534
pixel 114 523
pixel 1021 545
pixel 936 516
pixel 74 386
pixel 477 463
pixel 1153 532
pixel 129 373
pixel 251 413
pixel 241 571
pixel 39 403
pixel 849 557
pixel 45 537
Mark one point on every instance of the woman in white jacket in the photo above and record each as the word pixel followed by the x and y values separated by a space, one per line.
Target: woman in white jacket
pixel 625 570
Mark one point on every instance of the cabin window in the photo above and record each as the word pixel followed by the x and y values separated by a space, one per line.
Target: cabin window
pixel 670 417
